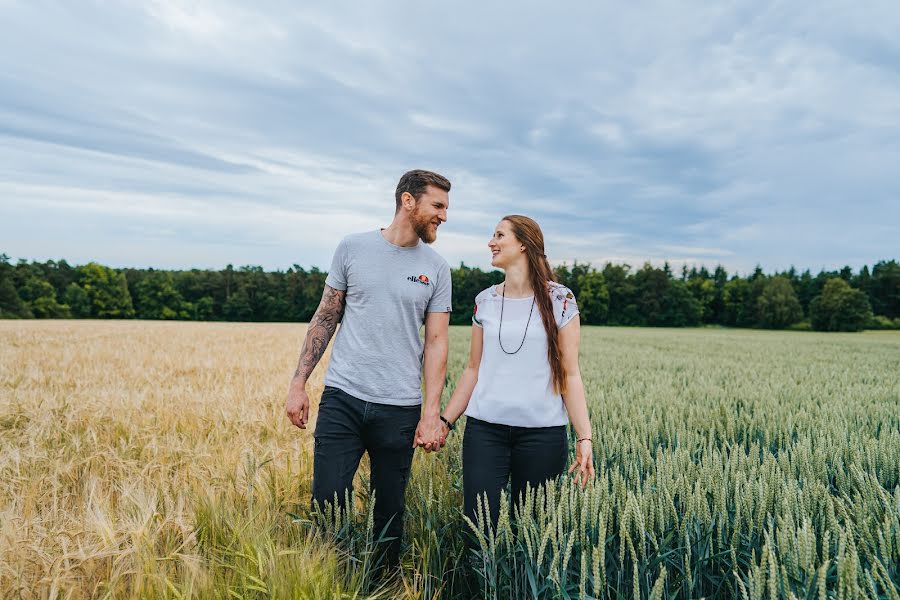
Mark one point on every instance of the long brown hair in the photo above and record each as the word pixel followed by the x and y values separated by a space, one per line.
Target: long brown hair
pixel 529 234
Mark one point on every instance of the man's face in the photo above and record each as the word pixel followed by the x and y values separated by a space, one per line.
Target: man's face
pixel 430 212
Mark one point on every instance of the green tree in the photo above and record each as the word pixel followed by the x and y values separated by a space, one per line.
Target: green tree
pixel 863 282
pixel 593 298
pixel 777 306
pixel 623 307
pixel 58 274
pixel 884 289
pixel 571 278
pixel 78 301
pixel 704 290
pixel 303 290
pixel 204 309
pixel 680 307
pixel 840 308
pixel 11 305
pixel 258 291
pixel 735 298
pixel 194 285
pixel 107 290
pixel 651 285
pixel 40 298
pixel 720 278
pixel 806 290
pixel 238 307
pixel 157 298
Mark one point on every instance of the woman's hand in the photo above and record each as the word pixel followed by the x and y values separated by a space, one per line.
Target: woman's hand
pixel 445 431
pixel 584 462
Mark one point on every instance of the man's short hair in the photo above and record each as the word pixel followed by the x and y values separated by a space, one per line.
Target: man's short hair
pixel 416 181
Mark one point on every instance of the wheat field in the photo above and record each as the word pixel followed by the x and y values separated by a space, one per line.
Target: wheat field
pixel 154 460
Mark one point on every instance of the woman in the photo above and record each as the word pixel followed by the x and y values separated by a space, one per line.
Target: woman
pixel 522 383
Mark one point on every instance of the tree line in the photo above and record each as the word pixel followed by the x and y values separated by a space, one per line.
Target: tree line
pixel 616 294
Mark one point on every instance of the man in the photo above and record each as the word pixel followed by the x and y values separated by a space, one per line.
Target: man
pixel 384 284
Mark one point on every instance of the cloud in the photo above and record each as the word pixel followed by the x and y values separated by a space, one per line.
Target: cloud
pixel 447 125
pixel 740 133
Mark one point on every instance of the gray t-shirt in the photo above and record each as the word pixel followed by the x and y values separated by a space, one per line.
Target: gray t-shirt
pixel 377 354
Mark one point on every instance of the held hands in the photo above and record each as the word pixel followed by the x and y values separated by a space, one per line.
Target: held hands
pixel 297 405
pixel 431 434
pixel 584 462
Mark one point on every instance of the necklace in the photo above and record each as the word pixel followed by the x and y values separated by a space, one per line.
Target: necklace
pixel 527 323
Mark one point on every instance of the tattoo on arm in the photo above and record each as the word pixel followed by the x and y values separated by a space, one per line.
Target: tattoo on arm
pixel 320 331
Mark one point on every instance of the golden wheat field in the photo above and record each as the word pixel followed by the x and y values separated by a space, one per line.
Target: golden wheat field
pixel 154 460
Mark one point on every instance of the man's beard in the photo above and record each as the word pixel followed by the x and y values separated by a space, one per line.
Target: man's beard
pixel 422 227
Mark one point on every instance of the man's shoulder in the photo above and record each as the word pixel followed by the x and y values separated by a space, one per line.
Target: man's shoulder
pixel 359 238
pixel 356 244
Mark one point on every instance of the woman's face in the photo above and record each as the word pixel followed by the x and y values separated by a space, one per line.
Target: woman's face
pixel 505 248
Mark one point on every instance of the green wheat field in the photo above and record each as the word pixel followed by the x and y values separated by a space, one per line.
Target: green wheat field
pixel 154 460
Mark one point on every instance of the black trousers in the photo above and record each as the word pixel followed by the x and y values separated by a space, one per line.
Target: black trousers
pixel 345 428
pixel 492 454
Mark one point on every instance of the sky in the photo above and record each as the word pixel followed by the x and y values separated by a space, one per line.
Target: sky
pixel 197 134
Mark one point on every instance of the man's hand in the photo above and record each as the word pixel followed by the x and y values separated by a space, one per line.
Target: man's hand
pixel 297 405
pixel 429 434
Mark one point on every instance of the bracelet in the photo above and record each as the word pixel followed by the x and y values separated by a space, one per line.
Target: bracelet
pixel 447 423
pixel 587 439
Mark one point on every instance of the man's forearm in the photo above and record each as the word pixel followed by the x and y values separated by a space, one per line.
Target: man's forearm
pixel 320 331
pixel 435 373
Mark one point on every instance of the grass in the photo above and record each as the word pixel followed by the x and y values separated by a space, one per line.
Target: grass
pixel 151 459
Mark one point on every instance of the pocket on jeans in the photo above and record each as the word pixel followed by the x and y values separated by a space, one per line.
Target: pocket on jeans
pixel 328 413
pixel 407 426
pixel 327 393
pixel 338 399
pixel 405 421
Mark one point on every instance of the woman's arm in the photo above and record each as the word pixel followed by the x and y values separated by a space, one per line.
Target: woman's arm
pixel 467 380
pixel 574 399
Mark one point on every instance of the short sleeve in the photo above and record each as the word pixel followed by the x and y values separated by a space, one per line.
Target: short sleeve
pixel 479 302
pixel 441 299
pixel 565 306
pixel 337 275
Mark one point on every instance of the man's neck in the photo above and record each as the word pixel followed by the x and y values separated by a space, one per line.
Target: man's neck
pixel 400 233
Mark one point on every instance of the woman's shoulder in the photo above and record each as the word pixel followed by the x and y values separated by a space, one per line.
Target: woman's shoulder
pixel 486 294
pixel 483 300
pixel 559 293
pixel 564 305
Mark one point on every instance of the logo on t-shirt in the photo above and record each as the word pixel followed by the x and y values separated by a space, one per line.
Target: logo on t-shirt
pixel 422 279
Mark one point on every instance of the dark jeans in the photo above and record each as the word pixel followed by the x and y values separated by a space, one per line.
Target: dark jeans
pixel 345 428
pixel 493 453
